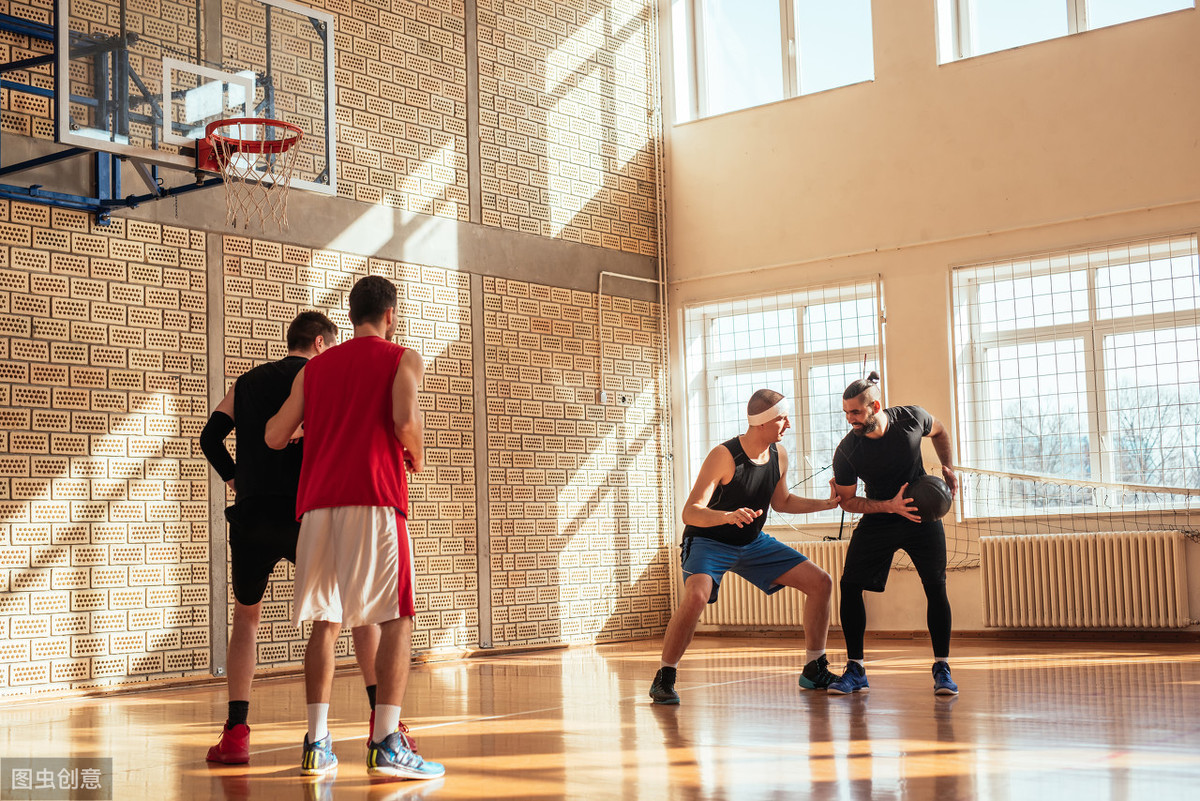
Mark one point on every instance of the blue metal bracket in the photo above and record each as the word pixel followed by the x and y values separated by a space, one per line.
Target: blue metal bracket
pixel 107 166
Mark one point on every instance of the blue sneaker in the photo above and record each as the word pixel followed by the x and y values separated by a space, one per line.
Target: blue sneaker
pixel 318 757
pixel 393 758
pixel 942 683
pixel 854 680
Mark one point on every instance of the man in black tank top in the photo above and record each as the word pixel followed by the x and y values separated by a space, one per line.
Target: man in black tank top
pixel 884 451
pixel 262 522
pixel 724 516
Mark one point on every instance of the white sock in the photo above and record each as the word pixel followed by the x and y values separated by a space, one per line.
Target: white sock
pixel 665 663
pixel 941 659
pixel 318 722
pixel 387 720
pixel 858 662
pixel 810 656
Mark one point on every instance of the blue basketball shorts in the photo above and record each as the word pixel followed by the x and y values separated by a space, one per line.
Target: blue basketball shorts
pixel 760 562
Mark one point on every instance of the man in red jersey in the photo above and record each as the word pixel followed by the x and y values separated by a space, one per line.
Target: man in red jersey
pixel 262 524
pixel 362 427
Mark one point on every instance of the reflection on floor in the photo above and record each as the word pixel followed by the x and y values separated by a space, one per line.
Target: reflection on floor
pixel 1034 720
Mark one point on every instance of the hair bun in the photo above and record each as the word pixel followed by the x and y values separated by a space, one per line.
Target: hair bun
pixel 873 377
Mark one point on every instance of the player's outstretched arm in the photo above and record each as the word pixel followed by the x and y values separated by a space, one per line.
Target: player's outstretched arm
pixel 717 469
pixel 406 414
pixel 283 425
pixel 783 501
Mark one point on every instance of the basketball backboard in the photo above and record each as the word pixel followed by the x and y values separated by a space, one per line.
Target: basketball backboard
pixel 142 78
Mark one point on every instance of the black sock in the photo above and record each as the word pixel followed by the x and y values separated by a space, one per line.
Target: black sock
pixel 238 712
pixel 371 694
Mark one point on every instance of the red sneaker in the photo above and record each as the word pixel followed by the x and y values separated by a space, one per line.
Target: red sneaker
pixel 233 747
pixel 404 735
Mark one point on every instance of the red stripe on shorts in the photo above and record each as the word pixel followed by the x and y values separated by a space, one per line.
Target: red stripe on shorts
pixel 404 570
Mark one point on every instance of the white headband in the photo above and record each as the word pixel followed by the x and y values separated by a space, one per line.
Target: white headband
pixel 780 409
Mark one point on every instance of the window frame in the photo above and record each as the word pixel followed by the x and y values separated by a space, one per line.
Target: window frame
pixel 695 83
pixel 964 36
pixel 973 391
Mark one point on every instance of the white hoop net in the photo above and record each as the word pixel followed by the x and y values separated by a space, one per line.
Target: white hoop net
pixel 256 158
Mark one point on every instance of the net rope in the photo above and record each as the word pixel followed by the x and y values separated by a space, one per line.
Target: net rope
pixel 995 503
pixel 256 162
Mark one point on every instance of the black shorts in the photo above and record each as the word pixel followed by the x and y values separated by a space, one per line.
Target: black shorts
pixel 262 531
pixel 876 540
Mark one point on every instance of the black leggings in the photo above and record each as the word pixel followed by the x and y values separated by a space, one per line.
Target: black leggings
pixel 854 618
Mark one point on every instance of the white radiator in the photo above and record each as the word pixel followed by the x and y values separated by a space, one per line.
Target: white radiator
pixel 1083 581
pixel 740 603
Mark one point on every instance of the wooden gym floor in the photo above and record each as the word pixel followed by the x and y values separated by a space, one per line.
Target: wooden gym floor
pixel 1034 720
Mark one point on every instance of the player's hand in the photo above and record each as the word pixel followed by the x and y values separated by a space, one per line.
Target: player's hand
pixel 833 496
pixel 905 507
pixel 229 484
pixel 411 464
pixel 297 435
pixel 740 517
pixel 951 479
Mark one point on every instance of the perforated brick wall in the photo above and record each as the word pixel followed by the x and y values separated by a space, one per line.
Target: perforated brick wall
pixel 266 284
pixel 564 100
pixel 104 545
pixel 575 486
pixel 401 75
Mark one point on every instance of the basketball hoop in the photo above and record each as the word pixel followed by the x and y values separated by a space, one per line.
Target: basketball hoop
pixel 255 156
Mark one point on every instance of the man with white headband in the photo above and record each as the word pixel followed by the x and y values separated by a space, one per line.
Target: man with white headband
pixel 724 517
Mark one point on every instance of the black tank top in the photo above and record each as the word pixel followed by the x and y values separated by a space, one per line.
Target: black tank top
pixel 257 395
pixel 751 487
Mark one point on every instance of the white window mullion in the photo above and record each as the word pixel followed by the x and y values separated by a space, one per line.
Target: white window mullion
pixel 880 339
pixel 693 55
pixel 802 423
pixel 966 37
pixel 801 418
pixel 1076 16
pixel 973 370
pixel 688 82
pixel 711 426
pixel 708 381
pixel 701 60
pixel 1096 387
pixel 788 44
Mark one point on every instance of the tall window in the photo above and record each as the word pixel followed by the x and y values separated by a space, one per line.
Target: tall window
pixel 734 54
pixel 808 345
pixel 1083 364
pixel 973 27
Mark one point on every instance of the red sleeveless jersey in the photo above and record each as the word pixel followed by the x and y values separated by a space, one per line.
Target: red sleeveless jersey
pixel 351 454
